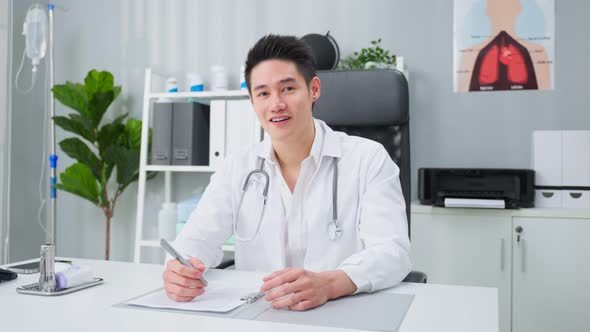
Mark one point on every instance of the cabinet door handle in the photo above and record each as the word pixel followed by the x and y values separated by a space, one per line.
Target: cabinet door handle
pixel 518 230
pixel 522 255
pixel 502 254
pixel 520 244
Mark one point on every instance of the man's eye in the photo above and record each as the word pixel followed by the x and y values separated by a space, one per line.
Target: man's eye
pixel 288 88
pixel 263 94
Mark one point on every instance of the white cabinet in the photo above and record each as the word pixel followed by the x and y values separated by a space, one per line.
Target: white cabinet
pixel 465 249
pixel 551 275
pixel 539 259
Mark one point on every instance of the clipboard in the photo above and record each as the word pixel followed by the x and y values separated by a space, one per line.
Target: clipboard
pixel 378 311
pixel 219 301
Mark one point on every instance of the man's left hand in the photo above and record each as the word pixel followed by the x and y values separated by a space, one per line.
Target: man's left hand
pixel 299 289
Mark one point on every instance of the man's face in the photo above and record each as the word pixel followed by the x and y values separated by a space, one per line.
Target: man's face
pixel 281 99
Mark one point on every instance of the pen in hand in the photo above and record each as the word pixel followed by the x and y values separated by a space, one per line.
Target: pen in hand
pixel 170 249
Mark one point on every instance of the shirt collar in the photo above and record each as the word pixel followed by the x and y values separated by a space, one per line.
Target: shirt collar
pixel 325 143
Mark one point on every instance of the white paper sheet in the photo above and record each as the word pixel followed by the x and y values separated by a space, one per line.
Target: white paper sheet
pixel 475 203
pixel 219 296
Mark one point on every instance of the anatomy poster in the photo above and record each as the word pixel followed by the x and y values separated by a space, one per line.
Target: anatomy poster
pixel 503 45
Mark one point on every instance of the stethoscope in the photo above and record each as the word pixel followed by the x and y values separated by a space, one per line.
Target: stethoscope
pixel 334 229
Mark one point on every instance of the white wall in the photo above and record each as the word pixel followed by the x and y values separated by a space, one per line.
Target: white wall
pixel 125 36
pixel 5 11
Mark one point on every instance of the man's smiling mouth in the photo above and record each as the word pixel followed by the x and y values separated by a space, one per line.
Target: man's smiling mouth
pixel 279 119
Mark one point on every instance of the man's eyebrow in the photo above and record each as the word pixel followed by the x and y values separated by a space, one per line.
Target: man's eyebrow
pixel 284 80
pixel 287 80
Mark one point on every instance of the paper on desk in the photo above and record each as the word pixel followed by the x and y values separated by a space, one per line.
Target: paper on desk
pixel 219 296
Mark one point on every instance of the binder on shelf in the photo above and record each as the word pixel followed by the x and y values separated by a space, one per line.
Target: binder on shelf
pixel 217 133
pixel 162 134
pixel 190 134
pixel 242 128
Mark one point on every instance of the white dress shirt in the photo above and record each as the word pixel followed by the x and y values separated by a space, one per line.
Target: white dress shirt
pixel 296 234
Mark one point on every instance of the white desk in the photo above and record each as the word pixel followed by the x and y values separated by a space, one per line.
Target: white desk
pixel 435 307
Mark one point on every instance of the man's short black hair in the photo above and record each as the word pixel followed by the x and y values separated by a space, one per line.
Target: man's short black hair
pixel 277 47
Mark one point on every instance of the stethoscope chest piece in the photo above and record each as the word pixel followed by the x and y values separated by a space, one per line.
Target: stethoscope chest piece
pixel 334 231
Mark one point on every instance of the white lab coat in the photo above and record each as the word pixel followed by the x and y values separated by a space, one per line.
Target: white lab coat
pixel 374 249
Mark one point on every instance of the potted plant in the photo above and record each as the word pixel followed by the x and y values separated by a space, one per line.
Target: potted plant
pixel 101 147
pixel 373 57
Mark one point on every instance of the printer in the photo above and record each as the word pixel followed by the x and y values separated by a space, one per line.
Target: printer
pixel 476 187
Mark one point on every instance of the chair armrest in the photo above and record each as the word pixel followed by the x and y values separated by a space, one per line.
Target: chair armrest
pixel 225 264
pixel 416 276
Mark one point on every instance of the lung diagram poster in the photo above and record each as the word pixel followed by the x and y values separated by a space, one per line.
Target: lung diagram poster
pixel 503 45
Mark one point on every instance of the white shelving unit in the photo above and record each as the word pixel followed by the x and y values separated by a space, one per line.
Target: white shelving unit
pixel 221 143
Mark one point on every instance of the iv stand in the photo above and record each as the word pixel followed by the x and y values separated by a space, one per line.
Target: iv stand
pixel 47 283
pixel 50 236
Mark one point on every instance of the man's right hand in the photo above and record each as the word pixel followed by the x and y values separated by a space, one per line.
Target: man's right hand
pixel 182 283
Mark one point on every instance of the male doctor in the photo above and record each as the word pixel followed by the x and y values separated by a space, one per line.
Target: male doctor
pixel 334 221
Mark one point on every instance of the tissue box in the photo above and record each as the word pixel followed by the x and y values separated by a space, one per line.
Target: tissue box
pixel 548 198
pixel 576 199
pixel 561 160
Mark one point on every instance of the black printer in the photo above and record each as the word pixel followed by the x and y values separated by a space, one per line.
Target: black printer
pixel 515 187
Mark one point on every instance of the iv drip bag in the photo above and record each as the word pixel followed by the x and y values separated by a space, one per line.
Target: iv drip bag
pixel 35 31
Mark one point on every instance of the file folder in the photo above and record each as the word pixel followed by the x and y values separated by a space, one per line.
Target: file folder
pixel 162 134
pixel 190 134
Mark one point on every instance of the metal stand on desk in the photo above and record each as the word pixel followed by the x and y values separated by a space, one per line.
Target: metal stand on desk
pixel 47 285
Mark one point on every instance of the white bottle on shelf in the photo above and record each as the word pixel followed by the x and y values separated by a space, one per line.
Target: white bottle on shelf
pixel 243 84
pixel 218 78
pixel 167 221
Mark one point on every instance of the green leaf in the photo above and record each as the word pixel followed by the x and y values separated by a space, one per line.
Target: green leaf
pixel 128 172
pixel 120 118
pixel 85 122
pixel 101 92
pixel 133 134
pixel 78 179
pixel 74 125
pixel 127 161
pixel 108 135
pixel 72 95
pixel 98 81
pixel 76 149
pixel 116 91
pixel 98 105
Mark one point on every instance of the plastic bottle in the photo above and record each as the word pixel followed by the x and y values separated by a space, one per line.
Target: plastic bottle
pixel 171 85
pixel 185 208
pixel 73 276
pixel 218 78
pixel 194 82
pixel 167 221
pixel 243 84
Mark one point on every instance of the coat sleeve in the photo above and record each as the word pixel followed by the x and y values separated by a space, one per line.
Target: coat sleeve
pixel 385 258
pixel 211 222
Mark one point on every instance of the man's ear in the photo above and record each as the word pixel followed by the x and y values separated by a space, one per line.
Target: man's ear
pixel 315 87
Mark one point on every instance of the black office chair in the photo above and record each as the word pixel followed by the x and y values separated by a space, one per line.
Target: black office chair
pixel 373 104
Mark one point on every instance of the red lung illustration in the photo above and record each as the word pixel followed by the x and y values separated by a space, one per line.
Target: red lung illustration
pixel 504 64
pixel 489 67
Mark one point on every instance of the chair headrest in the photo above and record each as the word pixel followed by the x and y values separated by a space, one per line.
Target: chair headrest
pixel 363 98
